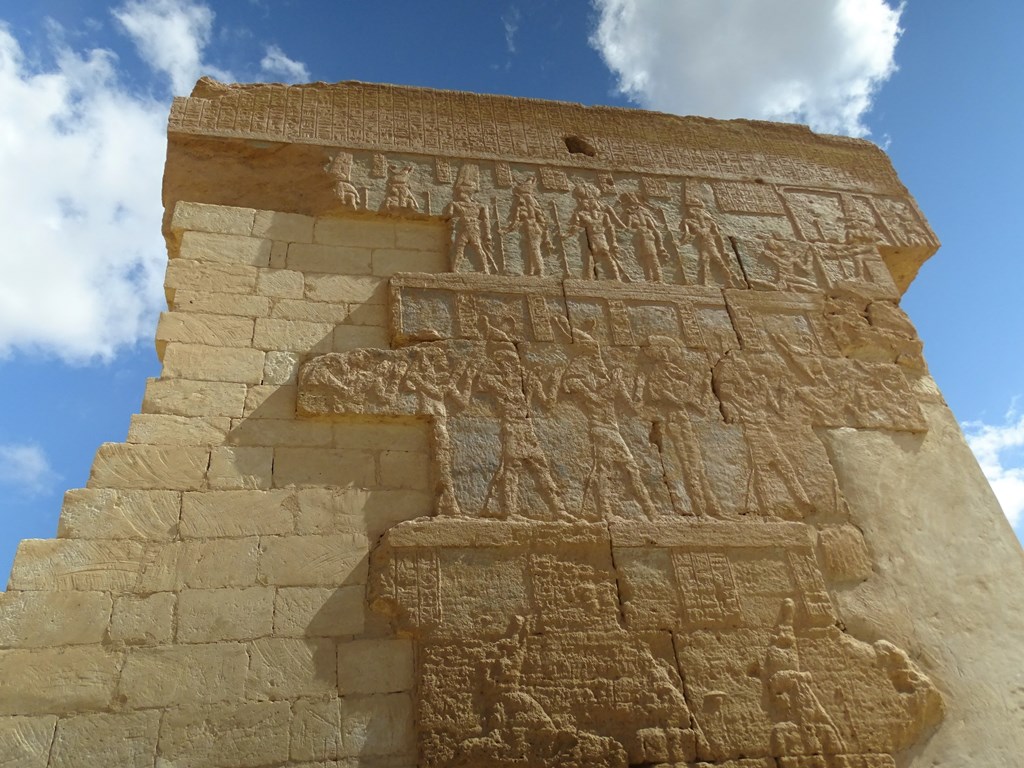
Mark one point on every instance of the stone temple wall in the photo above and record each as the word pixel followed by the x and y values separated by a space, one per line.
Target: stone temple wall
pixel 494 432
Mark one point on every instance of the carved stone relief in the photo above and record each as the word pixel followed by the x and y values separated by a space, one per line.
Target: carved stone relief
pixel 623 378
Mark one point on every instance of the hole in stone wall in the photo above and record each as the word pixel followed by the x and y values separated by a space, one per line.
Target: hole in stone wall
pixel 577 145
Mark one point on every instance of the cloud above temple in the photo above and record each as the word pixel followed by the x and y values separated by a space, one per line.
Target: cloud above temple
pixel 83 259
pixel 813 61
pixel 999 449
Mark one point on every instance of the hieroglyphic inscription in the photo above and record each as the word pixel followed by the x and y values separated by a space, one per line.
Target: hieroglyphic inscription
pixel 531 130
pixel 536 659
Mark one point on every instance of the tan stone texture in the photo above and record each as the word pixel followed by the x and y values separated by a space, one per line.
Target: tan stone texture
pixel 493 432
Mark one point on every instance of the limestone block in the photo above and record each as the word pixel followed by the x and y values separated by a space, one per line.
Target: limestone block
pixel 270 402
pixel 844 553
pixel 377 725
pixel 337 259
pixel 198 362
pixel 189 275
pixel 295 561
pixel 25 741
pixel 391 435
pixel 389 261
pixel 386 508
pixel 316 732
pixel 214 514
pixel 346 289
pixel 375 666
pixel 105 513
pixel 281 367
pixel 225 736
pixel 311 311
pixel 405 469
pixel 281 432
pixel 280 283
pixel 367 314
pixel 319 611
pixel 217 563
pixel 349 337
pixel 290 227
pixel 197 328
pixel 279 255
pixel 155 467
pixel 166 429
pixel 180 397
pixel 57 680
pixel 233 467
pixel 77 564
pixel 127 739
pixel 422 236
pixel 42 619
pixel 371 512
pixel 285 668
pixel 200 564
pixel 143 619
pixel 320 466
pixel 366 233
pixel 330 510
pixel 292 336
pixel 211 615
pixel 225 249
pixel 201 217
pixel 183 675
pixel 220 303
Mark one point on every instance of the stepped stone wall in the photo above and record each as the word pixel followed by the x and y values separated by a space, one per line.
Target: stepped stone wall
pixel 494 432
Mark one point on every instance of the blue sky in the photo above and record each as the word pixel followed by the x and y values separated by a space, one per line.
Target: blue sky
pixel 85 88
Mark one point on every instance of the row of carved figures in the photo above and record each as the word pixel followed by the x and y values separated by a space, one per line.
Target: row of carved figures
pixel 477 230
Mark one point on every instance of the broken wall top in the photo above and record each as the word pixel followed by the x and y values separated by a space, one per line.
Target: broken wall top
pixel 280 138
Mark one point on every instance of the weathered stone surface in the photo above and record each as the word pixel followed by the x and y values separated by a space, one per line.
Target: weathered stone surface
pixel 91 513
pixel 319 611
pixel 214 615
pixel 294 561
pixel 31 620
pixel 230 735
pixel 103 739
pixel 285 668
pixel 143 619
pixel 152 467
pixel 25 741
pixel 58 680
pixel 375 666
pixel 180 397
pixel 214 514
pixel 183 675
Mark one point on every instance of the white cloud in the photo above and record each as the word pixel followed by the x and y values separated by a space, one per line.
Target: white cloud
pixel 814 61
pixel 999 449
pixel 81 159
pixel 277 64
pixel 82 261
pixel 25 468
pixel 510 21
pixel 170 36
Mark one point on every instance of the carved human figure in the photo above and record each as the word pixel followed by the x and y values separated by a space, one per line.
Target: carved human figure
pixel 470 226
pixel 648 244
pixel 859 223
pixel 436 383
pixel 761 402
pixel 794 270
pixel 598 221
pixel 527 216
pixel 521 453
pixel 398 196
pixel 675 394
pixel 803 726
pixel 588 378
pixel 341 169
pixel 714 259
